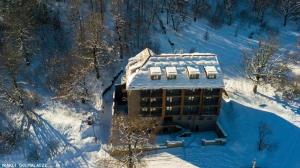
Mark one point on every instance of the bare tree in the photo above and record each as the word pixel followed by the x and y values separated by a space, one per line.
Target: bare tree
pixel 201 8
pixel 290 85
pixel 289 9
pixel 130 138
pixel 264 133
pixel 229 9
pixel 264 64
pixel 260 7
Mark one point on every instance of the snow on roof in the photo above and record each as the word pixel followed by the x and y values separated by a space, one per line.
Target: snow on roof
pixel 211 70
pixel 192 70
pixel 139 79
pixel 155 71
pixel 171 71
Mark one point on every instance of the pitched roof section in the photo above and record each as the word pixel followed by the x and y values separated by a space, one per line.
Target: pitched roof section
pixel 138 61
pixel 139 67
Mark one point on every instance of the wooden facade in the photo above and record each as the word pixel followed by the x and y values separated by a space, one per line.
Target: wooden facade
pixel 195 109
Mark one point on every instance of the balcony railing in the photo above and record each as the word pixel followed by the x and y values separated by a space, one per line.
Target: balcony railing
pixel 193 101
pixel 175 92
pixel 192 92
pixel 157 112
pixel 211 101
pixel 171 110
pixel 210 110
pixel 145 93
pixel 156 103
pixel 191 110
pixel 209 92
pixel 174 103
pixel 156 93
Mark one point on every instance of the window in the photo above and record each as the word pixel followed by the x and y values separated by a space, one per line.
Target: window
pixel 145 99
pixel 169 77
pixel 153 100
pixel 191 98
pixel 194 76
pixel 169 99
pixel 144 109
pixel 189 117
pixel 211 76
pixel 155 77
pixel 152 109
pixel 169 108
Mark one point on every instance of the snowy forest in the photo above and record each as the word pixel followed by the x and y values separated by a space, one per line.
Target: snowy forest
pixel 60 59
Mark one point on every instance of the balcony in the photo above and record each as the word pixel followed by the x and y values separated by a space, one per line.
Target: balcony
pixel 156 112
pixel 156 102
pixel 145 93
pixel 209 110
pixel 173 111
pixel 192 100
pixel 192 92
pixel 211 100
pixel 175 92
pixel 211 92
pixel 156 93
pixel 189 110
pixel 144 113
pixel 174 102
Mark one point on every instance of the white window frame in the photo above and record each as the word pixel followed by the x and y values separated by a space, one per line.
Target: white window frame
pixel 169 98
pixel 191 98
pixel 153 99
pixel 169 108
pixel 152 109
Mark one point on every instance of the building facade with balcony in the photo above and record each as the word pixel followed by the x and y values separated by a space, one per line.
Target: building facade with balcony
pixel 177 89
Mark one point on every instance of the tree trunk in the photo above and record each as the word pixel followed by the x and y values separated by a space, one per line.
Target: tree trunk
pixel 261 20
pixel 255 88
pixel 230 20
pixel 285 20
pixel 96 64
pixel 130 155
pixel 256 84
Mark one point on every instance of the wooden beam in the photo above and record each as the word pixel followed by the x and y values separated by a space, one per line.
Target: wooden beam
pixel 182 102
pixel 219 102
pixel 201 101
pixel 164 104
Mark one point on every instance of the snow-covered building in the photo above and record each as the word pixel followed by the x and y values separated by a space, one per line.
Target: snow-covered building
pixel 178 89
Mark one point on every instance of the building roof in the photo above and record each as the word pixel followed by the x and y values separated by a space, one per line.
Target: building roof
pixel 140 67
